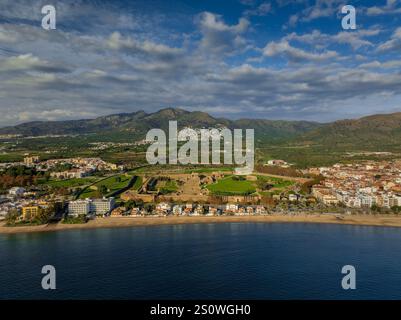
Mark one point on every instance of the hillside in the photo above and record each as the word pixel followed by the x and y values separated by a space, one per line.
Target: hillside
pixel 140 122
pixel 376 131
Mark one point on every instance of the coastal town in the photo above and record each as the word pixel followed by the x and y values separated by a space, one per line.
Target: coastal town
pixel 369 184
pixel 76 190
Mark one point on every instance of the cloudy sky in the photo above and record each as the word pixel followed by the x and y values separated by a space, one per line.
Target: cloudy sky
pixel 276 59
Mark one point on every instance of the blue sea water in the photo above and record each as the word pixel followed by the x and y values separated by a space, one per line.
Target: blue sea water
pixel 204 261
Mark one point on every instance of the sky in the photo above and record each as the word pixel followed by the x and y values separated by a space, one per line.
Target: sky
pixel 276 59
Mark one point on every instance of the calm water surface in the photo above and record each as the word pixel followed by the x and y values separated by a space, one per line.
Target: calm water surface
pixel 205 261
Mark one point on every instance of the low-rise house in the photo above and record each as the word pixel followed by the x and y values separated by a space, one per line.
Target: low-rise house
pixel 250 210
pixel 177 210
pixel 240 212
pixel 187 211
pixel 231 208
pixel 118 212
pixel 29 161
pixel 260 210
pixel 16 191
pixel 163 208
pixel 212 211
pixel 135 212
pixel 198 210
pixel 277 162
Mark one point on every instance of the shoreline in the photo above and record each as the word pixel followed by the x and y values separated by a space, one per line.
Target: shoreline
pixel 121 222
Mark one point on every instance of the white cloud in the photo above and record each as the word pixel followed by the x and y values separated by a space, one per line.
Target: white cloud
pixel 393 44
pixel 261 10
pixel 389 8
pixel 117 42
pixel 355 39
pixel 219 37
pixel 75 74
pixel 295 54
pixel 320 9
pixel 28 62
pixel 377 64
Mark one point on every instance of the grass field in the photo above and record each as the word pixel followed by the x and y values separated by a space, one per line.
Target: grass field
pixel 231 186
pixel 138 183
pixel 278 183
pixel 112 184
pixel 169 186
pixel 70 183
pixel 208 169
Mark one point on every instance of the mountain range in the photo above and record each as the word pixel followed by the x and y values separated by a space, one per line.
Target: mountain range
pixel 370 130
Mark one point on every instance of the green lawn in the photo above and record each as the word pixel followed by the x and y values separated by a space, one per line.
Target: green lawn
pixel 233 185
pixel 70 183
pixel 208 169
pixel 112 184
pixel 230 186
pixel 277 182
pixel 169 186
pixel 138 183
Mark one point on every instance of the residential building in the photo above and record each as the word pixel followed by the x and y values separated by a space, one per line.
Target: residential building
pixel 16 191
pixel 29 161
pixel 29 212
pixel 231 207
pixel 79 207
pixel 177 210
pixel 212 211
pixel 101 207
pixel 260 210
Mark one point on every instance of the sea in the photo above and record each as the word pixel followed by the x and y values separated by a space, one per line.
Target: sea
pixel 280 261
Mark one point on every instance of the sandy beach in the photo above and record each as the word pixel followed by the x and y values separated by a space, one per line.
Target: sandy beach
pixel 115 222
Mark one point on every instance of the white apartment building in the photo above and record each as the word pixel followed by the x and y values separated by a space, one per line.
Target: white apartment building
pixel 353 202
pixel 89 206
pixel 367 200
pixel 79 207
pixel 102 206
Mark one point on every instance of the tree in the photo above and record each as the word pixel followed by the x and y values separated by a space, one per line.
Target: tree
pixel 45 214
pixel 375 208
pixel 12 216
pixel 102 189
pixel 396 209
pixel 129 204
pixel 149 207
